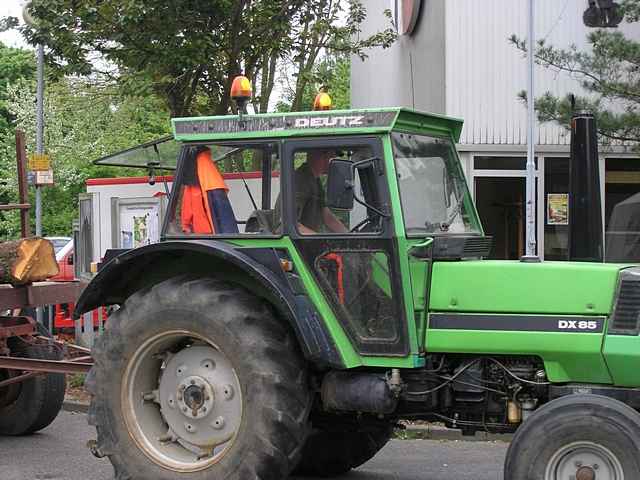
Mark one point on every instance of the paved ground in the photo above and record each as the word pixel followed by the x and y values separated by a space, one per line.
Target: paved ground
pixel 59 453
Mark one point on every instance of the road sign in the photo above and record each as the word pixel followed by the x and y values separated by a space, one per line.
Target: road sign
pixel 39 162
pixel 43 177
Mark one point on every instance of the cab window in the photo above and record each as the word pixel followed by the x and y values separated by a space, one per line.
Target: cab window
pixel 312 215
pixel 226 190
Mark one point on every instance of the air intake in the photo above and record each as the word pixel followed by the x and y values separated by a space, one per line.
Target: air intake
pixel 626 313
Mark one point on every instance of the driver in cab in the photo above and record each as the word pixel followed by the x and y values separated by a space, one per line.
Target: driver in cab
pixel 312 214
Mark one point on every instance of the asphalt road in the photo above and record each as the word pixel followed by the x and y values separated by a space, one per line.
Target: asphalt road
pixel 59 453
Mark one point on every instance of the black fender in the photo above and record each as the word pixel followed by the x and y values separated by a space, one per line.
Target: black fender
pixel 258 269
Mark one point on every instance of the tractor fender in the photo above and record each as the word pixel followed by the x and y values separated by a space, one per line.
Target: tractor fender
pixel 257 269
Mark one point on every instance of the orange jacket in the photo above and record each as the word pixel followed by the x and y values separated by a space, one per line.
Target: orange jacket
pixel 196 214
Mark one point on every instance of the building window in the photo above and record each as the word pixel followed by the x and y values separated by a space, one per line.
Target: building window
pixel 556 207
pixel 622 209
pixel 501 163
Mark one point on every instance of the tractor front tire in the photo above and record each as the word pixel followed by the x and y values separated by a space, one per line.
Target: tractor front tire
pixel 336 446
pixel 32 405
pixel 195 379
pixel 577 436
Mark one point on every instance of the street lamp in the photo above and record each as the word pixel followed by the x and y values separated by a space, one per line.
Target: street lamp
pixel 29 20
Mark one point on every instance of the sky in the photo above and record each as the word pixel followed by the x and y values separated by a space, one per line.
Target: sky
pixel 12 38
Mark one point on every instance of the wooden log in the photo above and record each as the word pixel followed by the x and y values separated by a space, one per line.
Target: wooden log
pixel 27 260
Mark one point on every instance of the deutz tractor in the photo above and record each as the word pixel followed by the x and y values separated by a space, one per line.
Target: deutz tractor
pixel 321 276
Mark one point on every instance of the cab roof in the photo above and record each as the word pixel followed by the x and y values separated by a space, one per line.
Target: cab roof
pixel 325 122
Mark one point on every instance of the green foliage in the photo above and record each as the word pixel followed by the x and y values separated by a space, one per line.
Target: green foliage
pixel 188 52
pixel 331 75
pixel 15 65
pixel 84 121
pixel 319 31
pixel 609 74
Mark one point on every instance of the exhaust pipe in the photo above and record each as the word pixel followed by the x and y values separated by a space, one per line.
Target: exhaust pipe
pixel 585 207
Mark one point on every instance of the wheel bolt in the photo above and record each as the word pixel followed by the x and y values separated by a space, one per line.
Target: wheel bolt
pixel 218 423
pixel 193 382
pixel 184 409
pixel 204 409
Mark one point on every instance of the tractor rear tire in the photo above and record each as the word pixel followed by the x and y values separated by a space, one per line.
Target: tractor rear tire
pixel 336 447
pixel 36 402
pixel 194 379
pixel 576 436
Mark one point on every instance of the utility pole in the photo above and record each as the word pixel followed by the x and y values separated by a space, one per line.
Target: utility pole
pixel 531 167
pixel 39 127
pixel 39 131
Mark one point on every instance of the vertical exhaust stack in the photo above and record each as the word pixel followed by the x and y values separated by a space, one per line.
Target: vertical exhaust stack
pixel 585 208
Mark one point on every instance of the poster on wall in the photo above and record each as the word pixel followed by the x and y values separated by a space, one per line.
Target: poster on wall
pixel 557 209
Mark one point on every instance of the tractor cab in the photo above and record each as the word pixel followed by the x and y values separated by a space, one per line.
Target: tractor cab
pixel 359 197
pixel 352 191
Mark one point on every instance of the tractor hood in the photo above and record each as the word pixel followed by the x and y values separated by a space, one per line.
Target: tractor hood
pixel 570 288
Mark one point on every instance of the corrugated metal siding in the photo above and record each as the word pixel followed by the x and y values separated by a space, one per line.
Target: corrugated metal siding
pixel 484 72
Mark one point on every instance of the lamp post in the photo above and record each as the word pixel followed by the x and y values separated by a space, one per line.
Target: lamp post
pixel 531 167
pixel 29 20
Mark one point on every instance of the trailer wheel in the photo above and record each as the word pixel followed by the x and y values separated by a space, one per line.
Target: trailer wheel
pixel 196 379
pixel 336 447
pixel 585 437
pixel 31 405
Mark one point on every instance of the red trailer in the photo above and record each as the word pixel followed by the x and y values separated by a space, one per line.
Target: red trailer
pixel 32 364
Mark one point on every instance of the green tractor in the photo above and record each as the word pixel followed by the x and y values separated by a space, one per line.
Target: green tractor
pixel 321 277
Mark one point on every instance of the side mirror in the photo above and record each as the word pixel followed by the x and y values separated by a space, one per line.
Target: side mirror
pixel 340 193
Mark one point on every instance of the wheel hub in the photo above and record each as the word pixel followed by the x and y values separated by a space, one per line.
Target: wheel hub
pixel 584 460
pixel 586 473
pixel 197 397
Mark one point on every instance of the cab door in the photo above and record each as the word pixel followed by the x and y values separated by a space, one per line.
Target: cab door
pixel 352 254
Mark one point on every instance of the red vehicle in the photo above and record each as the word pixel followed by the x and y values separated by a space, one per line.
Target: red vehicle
pixel 62 320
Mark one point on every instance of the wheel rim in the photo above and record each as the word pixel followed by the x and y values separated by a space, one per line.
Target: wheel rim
pixel 584 461
pixel 182 401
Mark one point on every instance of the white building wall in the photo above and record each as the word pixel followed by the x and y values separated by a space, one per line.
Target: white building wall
pixel 484 72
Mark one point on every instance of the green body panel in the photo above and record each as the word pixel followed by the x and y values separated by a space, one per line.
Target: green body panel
pixel 512 287
pixel 622 353
pixel 517 287
pixel 568 357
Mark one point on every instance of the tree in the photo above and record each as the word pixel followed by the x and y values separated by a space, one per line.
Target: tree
pixel 16 65
pixel 319 30
pixel 609 73
pixel 189 52
pixel 331 74
pixel 71 106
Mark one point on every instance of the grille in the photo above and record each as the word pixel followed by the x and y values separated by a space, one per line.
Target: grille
pixel 627 309
pixel 454 248
pixel 478 247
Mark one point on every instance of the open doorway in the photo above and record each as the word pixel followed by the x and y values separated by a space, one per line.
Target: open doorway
pixel 501 205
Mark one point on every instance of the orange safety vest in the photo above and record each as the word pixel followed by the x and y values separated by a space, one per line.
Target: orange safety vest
pixel 196 214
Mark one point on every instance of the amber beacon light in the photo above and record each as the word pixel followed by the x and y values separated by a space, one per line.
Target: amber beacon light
pixel 322 101
pixel 241 92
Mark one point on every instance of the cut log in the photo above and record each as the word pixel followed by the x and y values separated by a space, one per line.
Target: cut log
pixel 27 260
